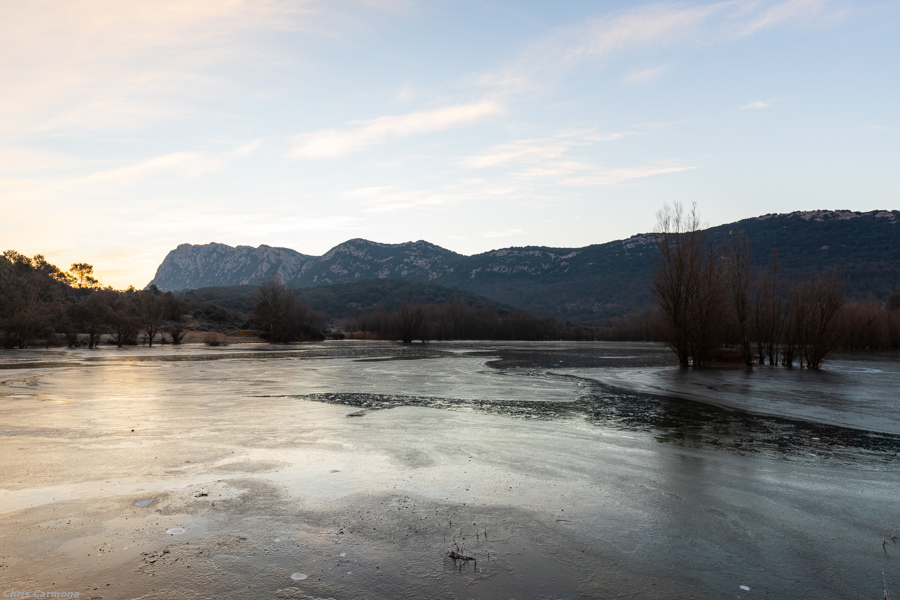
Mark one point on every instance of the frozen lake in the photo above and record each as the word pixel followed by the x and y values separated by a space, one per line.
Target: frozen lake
pixel 352 469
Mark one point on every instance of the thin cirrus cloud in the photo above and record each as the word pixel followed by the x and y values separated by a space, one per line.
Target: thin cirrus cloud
pixel 404 196
pixel 655 25
pixel 539 149
pixel 547 161
pixel 188 164
pixel 26 161
pixel 388 198
pixel 643 76
pixel 185 164
pixel 874 127
pixel 539 183
pixel 608 177
pixel 360 135
pixel 599 38
pixel 759 104
pixel 107 181
pixel 113 64
pixel 790 12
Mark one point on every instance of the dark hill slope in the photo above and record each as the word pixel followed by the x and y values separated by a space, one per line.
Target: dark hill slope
pixel 342 300
pixel 864 248
pixel 581 284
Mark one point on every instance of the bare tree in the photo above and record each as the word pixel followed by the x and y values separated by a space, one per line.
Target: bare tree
pixel 676 240
pixel 769 318
pixel 95 316
pixel 793 326
pixel 687 286
pixel 177 330
pixel 151 312
pixel 865 325
pixel 125 320
pixel 893 301
pixel 811 329
pixel 411 322
pixel 280 312
pixel 707 307
pixel 824 298
pixel 740 281
pixel 70 321
pixel 173 312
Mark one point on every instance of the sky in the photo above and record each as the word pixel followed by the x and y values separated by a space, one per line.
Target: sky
pixel 129 127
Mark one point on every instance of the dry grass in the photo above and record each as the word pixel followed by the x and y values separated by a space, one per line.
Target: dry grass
pixel 361 335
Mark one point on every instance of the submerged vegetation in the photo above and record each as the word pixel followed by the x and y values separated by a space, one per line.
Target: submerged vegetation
pixel 460 320
pixel 711 297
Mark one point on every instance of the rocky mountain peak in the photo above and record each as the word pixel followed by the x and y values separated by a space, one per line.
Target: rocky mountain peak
pixel 589 283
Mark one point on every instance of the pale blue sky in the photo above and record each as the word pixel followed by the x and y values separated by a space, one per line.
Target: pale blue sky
pixel 130 127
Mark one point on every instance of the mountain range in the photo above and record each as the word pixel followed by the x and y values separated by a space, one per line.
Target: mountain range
pixel 586 284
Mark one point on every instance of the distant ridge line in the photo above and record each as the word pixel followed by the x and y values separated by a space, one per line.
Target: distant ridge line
pixel 586 284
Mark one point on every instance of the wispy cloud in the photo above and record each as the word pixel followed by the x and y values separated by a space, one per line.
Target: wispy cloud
pixel 539 149
pixel 248 148
pixel 188 164
pixel 786 13
pixel 643 75
pixel 759 104
pixel 655 25
pixel 26 161
pixel 565 159
pixel 608 177
pixel 874 127
pixel 335 143
pixel 406 196
pixel 538 184
pixel 36 176
pixel 109 65
pixel 642 26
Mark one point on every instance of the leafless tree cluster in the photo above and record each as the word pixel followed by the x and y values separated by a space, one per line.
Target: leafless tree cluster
pixel 689 285
pixel 281 313
pixel 407 323
pixel 411 322
pixel 710 296
pixel 460 320
pixel 636 326
pixel 130 317
pixel 802 323
pixel 870 325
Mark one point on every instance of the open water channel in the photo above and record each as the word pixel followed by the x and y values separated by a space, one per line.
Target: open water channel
pixel 354 470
